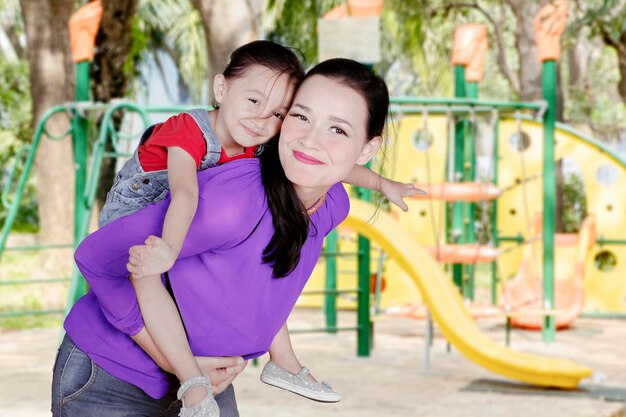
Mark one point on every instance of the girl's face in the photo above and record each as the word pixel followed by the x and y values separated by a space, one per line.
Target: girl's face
pixel 253 106
pixel 324 135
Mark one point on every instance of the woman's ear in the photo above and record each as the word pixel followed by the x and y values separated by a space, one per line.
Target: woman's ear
pixel 220 85
pixel 369 150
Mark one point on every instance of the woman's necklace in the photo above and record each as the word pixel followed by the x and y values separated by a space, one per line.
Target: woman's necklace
pixel 317 205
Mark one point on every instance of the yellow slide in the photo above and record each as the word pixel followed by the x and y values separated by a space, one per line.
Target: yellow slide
pixel 447 309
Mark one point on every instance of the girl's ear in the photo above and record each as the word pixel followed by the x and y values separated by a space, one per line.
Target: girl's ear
pixel 220 85
pixel 369 150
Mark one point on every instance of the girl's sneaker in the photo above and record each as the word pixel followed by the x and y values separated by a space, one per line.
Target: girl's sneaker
pixel 297 383
pixel 207 407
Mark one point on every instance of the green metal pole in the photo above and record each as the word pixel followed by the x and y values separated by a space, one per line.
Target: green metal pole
pixel 79 138
pixel 330 299
pixel 76 283
pixel 469 174
pixel 364 323
pixel 364 334
pixel 459 152
pixel 30 159
pixel 494 213
pixel 472 89
pixel 549 193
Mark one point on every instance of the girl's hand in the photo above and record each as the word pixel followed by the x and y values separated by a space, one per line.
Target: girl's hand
pixel 396 192
pixel 221 370
pixel 153 258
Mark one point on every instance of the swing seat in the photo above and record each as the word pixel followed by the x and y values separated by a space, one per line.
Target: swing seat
pixel 523 295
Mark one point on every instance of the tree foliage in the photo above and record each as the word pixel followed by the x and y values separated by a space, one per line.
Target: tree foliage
pixel 173 27
pixel 294 23
pixel 15 132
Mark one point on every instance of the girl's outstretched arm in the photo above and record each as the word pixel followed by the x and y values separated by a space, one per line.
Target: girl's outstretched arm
pixel 395 191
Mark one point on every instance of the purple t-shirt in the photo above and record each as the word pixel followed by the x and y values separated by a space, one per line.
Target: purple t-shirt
pixel 228 299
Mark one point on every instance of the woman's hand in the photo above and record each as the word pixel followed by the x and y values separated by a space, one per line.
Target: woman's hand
pixel 221 370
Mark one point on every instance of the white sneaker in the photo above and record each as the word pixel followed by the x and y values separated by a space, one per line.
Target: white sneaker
pixel 319 391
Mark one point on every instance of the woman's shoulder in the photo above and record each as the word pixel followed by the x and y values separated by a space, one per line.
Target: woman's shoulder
pixel 335 209
pixel 234 184
pixel 240 174
pixel 338 196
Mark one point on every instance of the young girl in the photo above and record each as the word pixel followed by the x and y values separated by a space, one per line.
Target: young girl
pixel 225 276
pixel 253 94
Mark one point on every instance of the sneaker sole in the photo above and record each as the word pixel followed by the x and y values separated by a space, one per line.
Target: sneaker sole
pixel 312 395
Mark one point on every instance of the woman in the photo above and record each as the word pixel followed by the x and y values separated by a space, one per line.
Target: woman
pixel 223 280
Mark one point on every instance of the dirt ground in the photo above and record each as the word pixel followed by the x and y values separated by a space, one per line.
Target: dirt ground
pixel 391 382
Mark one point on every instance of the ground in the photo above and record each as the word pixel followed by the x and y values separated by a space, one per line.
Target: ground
pixel 391 382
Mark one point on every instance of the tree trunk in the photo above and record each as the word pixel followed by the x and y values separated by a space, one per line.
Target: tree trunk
pixel 578 60
pixel 529 66
pixel 228 24
pixel 108 74
pixel 530 72
pixel 52 83
pixel 620 49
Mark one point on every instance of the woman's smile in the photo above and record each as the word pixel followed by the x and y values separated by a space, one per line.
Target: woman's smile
pixel 306 159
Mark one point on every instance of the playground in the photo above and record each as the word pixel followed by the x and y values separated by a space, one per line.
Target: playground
pixel 391 379
pixel 500 292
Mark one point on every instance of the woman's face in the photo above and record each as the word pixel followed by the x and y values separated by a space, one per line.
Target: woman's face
pixel 325 134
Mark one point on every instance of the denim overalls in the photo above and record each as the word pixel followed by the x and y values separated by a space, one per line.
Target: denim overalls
pixel 134 188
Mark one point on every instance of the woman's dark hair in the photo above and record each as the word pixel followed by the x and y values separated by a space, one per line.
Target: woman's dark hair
pixel 289 216
pixel 371 87
pixel 268 54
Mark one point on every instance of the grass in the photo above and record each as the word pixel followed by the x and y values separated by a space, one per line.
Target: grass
pixel 25 265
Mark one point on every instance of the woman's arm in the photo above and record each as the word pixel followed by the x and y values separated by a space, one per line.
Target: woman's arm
pixel 145 342
pixel 220 370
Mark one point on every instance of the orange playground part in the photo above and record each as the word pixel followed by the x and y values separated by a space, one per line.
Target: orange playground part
pixel 523 295
pixel 459 191
pixel 464 254
pixel 83 27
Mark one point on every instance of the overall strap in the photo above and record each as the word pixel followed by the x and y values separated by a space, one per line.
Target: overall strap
pixel 213 147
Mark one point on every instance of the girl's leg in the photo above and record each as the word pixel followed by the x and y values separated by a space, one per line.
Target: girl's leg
pixel 285 371
pixel 282 354
pixel 81 388
pixel 166 329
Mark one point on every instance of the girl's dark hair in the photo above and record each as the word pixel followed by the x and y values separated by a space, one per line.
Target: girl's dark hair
pixel 268 54
pixel 289 216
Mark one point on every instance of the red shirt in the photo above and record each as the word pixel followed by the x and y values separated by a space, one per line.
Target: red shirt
pixel 181 131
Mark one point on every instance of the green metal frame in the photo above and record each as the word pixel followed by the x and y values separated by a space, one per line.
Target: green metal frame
pixel 548 329
pixel 13 205
pixel 469 174
pixel 495 278
pixel 330 300
pixel 458 208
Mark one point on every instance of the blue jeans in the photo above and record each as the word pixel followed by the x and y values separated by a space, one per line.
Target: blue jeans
pixel 80 388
